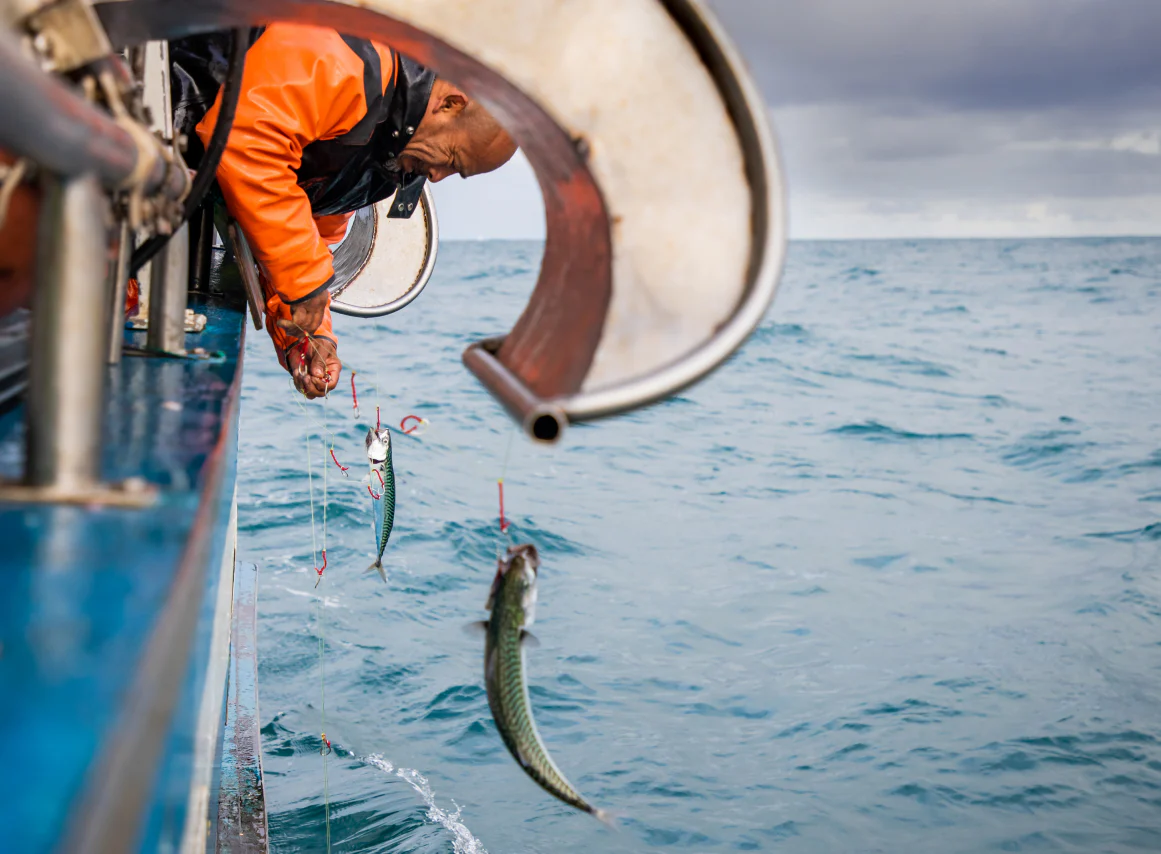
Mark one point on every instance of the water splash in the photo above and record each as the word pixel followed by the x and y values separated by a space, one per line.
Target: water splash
pixel 463 842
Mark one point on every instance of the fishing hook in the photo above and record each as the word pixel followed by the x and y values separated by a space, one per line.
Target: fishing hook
pixel 324 568
pixel 419 422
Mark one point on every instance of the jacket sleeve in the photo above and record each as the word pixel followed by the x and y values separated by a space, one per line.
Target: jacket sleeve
pixel 300 84
pixel 331 229
pixel 284 341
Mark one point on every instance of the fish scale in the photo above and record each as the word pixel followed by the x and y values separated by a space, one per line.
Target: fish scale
pixel 388 497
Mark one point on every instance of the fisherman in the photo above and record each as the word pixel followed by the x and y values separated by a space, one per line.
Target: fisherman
pixel 327 124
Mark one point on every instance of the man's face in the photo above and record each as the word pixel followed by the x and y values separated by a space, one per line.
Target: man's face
pixel 450 141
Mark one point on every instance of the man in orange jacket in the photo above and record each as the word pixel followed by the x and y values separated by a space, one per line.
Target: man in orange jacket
pixel 327 124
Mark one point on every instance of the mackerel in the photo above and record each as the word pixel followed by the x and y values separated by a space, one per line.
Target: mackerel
pixel 382 477
pixel 512 603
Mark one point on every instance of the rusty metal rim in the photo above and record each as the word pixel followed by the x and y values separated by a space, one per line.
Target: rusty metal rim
pixel 764 169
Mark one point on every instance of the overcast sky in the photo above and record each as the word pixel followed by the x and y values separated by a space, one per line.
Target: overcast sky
pixel 917 118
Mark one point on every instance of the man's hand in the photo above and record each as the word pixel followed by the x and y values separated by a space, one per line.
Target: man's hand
pixel 318 372
pixel 308 315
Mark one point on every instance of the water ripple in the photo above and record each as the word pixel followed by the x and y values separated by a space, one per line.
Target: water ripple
pixel 886 581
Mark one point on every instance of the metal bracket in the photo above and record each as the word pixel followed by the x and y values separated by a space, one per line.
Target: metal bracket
pixel 406 199
pixel 69 35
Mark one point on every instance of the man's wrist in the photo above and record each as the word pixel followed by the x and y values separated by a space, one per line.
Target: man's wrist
pixel 322 289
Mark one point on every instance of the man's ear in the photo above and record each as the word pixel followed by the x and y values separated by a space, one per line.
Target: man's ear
pixel 453 103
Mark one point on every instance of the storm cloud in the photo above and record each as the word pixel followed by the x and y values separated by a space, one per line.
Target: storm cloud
pixel 931 118
pixel 961 118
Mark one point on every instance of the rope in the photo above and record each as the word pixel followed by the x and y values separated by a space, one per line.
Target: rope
pixel 326 491
pixel 321 659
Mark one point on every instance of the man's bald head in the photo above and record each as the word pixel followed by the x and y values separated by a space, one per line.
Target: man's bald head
pixel 456 136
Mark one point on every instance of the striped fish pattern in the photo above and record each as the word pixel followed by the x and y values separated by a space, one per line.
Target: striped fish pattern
pixel 382 483
pixel 513 604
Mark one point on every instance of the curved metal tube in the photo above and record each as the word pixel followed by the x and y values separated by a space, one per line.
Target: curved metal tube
pixel 768 251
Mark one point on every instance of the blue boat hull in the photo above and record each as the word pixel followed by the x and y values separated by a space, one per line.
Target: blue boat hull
pixel 116 623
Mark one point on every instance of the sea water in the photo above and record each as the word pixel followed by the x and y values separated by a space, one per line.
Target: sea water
pixel 887 581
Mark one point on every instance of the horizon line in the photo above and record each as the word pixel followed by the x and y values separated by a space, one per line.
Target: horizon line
pixel 1125 236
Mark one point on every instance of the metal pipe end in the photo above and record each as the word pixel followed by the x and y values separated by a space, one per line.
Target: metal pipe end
pixel 542 420
pixel 545 424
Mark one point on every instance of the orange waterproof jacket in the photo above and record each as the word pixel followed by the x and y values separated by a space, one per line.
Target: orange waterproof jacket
pixel 302 86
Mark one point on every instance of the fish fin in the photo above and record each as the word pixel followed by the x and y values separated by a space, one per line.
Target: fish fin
pixel 529 638
pixel 476 627
pixel 608 819
pixel 377 566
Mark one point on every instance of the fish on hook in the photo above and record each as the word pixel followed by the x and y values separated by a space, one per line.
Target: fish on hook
pixel 382 477
pixel 512 603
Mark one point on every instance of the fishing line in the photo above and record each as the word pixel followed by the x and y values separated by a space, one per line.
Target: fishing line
pixel 504 524
pixel 310 490
pixel 326 744
pixel 328 434
pixel 326 748
pixel 411 425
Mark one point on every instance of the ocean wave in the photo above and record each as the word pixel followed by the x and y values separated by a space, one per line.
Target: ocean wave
pixel 873 431
pixel 463 842
pixel 770 332
pixel 1056 450
pixel 920 367
pixel 783 636
pixel 1147 533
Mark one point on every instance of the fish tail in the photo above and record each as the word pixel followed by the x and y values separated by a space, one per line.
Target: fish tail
pixel 377 566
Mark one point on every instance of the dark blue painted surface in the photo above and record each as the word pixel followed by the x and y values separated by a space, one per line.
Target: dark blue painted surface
pixel 241 826
pixel 83 587
pixel 167 816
